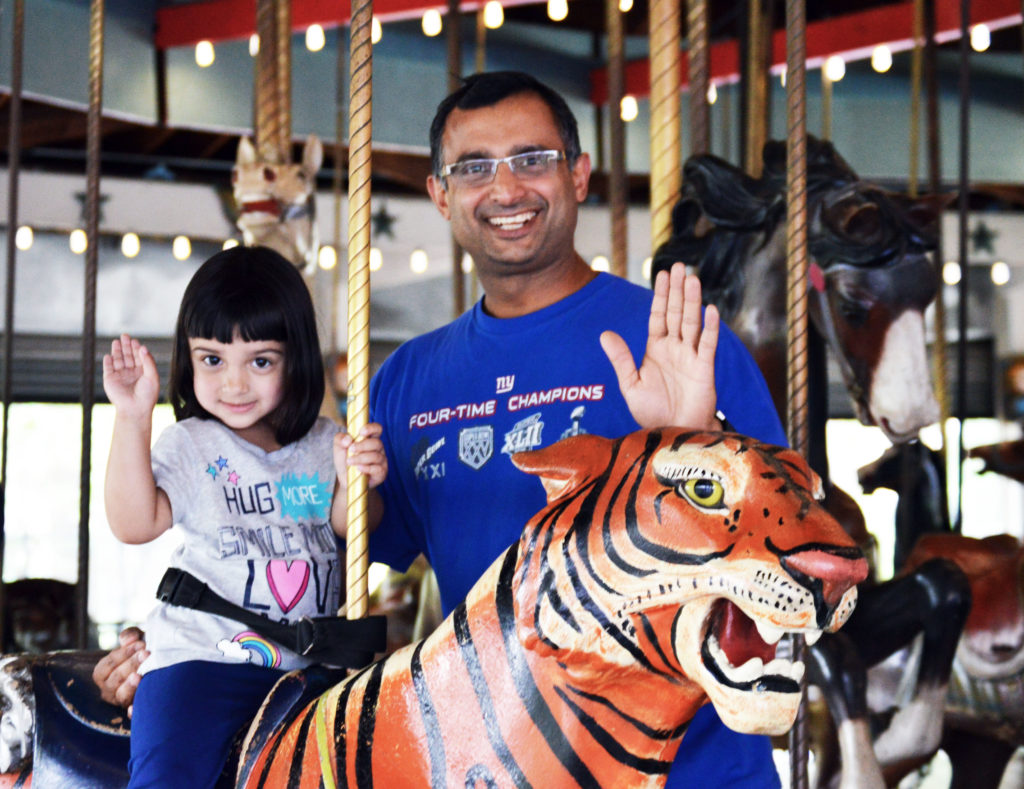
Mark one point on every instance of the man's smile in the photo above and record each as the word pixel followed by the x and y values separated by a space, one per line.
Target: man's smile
pixel 513 222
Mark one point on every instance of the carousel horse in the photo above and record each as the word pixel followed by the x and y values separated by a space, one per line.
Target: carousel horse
pixel 661 574
pixel 869 282
pixel 276 202
pixel 984 709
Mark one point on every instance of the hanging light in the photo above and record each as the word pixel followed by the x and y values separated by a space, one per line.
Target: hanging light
pixel 204 54
pixel 181 248
pixel 130 245
pixel 645 268
pixel 418 261
pixel 712 93
pixel 376 258
pixel 600 263
pixel 835 68
pixel 467 263
pixel 326 257
pixel 625 6
pixel 23 238
pixel 881 58
pixel 315 38
pixel 981 38
pixel 375 31
pixel 229 243
pixel 254 44
pixel 782 76
pixel 951 272
pixel 494 15
pixel 558 10
pixel 1000 273
pixel 78 241
pixel 628 109
pixel 431 22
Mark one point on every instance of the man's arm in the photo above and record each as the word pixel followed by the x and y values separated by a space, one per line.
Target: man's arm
pixel 117 675
pixel 675 384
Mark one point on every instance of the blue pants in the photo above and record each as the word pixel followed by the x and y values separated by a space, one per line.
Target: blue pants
pixel 185 717
pixel 713 755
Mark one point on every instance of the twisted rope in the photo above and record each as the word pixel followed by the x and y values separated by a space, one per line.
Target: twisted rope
pixel 359 134
pixel 666 171
pixel 269 119
pixel 796 300
pixel 699 69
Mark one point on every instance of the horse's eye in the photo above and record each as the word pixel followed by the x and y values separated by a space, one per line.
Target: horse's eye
pixel 853 312
pixel 269 174
pixel 706 493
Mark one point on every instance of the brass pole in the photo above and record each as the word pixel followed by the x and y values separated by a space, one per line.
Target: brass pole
pixel 666 164
pixel 796 301
pixel 453 36
pixel 616 137
pixel 699 68
pixel 359 136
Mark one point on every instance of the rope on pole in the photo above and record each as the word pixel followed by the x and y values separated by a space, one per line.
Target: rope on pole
pixel 666 164
pixel 796 300
pixel 13 170
pixel 699 70
pixel 269 117
pixel 92 208
pixel 359 135
pixel 616 137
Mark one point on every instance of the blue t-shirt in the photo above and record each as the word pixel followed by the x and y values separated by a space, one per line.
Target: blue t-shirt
pixel 457 402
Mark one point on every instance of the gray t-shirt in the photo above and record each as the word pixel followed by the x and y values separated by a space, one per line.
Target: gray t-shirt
pixel 257 530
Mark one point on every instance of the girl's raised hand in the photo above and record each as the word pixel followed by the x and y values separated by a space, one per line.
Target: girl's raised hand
pixel 130 378
pixel 366 453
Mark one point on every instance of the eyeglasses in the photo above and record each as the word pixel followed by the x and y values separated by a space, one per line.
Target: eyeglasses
pixel 480 172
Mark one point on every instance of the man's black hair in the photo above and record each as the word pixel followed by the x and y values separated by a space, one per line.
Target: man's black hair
pixel 487 89
pixel 255 292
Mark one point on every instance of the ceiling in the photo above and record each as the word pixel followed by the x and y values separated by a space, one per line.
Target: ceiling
pixel 53 136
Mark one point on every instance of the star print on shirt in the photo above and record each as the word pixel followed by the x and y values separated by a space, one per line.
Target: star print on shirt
pixel 212 470
pixel 233 478
pixel 222 462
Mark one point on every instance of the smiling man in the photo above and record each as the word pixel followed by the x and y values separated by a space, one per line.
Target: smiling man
pixel 552 349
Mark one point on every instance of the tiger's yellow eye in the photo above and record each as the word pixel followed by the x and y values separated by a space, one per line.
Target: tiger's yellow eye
pixel 704 492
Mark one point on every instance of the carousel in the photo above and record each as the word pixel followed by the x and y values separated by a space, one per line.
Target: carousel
pixel 845 179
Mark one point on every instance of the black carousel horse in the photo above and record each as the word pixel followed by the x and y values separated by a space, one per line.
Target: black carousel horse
pixel 870 281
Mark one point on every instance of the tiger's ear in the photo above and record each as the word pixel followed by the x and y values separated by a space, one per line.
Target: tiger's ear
pixel 566 463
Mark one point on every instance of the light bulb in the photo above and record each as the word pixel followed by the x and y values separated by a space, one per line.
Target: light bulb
pixel 981 38
pixel 494 15
pixel 181 248
pixel 78 241
pixel 625 6
pixel 326 257
pixel 23 238
pixel 254 44
pixel 431 22
pixel 628 109
pixel 1000 273
pixel 600 263
pixel 315 38
pixel 376 258
pixel 835 68
pixel 375 31
pixel 881 58
pixel 204 54
pixel 712 93
pixel 229 243
pixel 951 272
pixel 130 245
pixel 467 263
pixel 418 261
pixel 558 10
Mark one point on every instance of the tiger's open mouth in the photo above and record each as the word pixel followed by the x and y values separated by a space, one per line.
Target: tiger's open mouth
pixel 740 653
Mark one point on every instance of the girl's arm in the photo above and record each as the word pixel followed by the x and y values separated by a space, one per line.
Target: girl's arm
pixel 366 454
pixel 136 509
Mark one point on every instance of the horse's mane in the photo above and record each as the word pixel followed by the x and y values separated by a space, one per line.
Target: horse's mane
pixel 725 216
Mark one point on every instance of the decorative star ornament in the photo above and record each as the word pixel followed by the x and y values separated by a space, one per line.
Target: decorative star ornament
pixel 982 237
pixel 83 202
pixel 382 222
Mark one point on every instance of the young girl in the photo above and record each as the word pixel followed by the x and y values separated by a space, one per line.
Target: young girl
pixel 256 483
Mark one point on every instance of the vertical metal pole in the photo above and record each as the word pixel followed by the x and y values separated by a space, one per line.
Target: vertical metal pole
pixel 359 136
pixel 796 300
pixel 453 36
pixel 13 170
pixel 666 164
pixel 616 137
pixel 92 205
pixel 965 270
pixel 699 70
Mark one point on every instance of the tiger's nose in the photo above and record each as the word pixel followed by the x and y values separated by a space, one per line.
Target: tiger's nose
pixel 837 572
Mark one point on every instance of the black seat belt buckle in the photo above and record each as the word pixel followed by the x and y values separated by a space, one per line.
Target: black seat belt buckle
pixel 178 587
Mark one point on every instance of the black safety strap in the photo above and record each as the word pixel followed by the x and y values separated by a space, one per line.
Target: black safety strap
pixel 333 640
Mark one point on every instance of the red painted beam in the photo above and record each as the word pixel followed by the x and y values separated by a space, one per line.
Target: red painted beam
pixel 853 36
pixel 225 20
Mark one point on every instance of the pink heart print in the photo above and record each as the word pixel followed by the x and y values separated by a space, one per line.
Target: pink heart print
pixel 288 582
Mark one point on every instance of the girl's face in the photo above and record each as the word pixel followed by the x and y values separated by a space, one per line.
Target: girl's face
pixel 240 383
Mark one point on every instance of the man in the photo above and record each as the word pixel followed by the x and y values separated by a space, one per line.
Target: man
pixel 549 351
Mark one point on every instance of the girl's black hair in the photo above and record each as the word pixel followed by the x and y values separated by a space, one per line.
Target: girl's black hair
pixel 259 294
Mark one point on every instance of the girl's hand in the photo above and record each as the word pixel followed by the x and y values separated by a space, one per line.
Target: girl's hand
pixel 366 453
pixel 130 378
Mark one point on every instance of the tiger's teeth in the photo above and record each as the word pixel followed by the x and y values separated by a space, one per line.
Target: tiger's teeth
pixel 796 671
pixel 768 632
pixel 811 637
pixel 748 672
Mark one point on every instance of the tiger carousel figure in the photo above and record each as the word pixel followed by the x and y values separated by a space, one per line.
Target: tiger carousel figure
pixel 661 574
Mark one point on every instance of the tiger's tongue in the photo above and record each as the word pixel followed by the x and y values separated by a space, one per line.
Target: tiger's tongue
pixel 738 636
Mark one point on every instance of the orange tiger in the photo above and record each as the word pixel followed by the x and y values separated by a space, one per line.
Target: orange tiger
pixel 662 572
